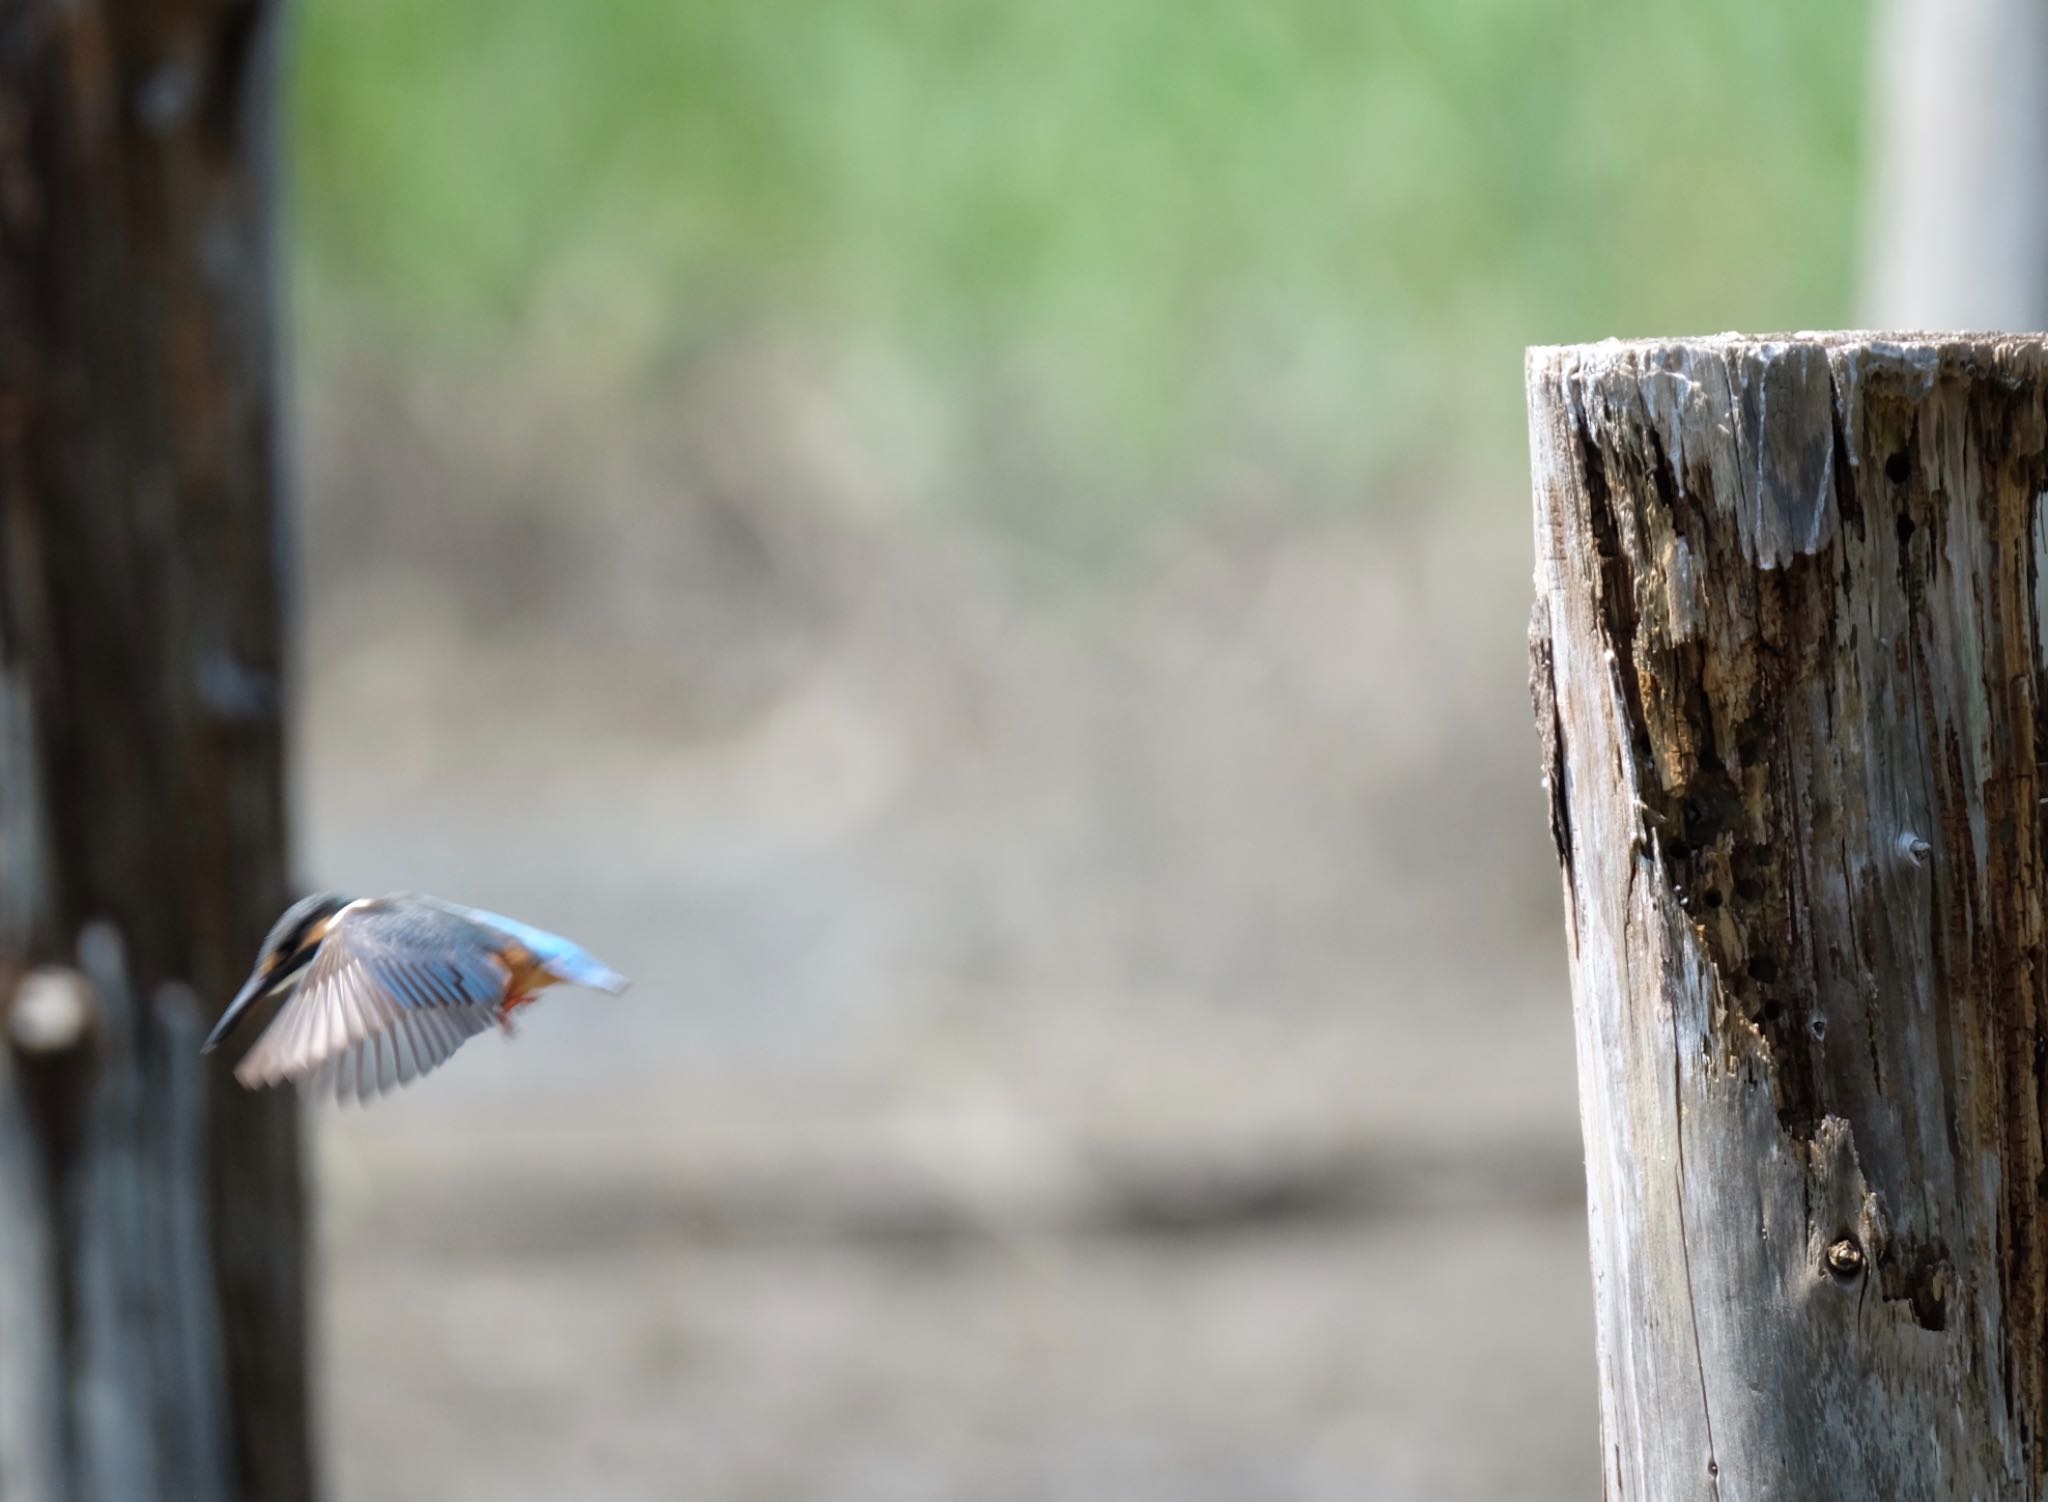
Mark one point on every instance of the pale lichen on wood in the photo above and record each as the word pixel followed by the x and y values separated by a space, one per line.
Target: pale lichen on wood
pixel 1787 659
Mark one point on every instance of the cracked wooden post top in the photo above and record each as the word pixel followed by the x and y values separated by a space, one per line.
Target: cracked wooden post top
pixel 1787 660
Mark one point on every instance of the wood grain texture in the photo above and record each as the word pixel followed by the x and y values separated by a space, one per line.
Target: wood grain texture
pixel 1788 669
pixel 151 1260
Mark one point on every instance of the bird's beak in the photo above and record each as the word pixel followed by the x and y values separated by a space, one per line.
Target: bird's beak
pixel 260 980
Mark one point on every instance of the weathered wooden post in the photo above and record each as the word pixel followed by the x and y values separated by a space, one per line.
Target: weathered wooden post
pixel 151 1294
pixel 1788 667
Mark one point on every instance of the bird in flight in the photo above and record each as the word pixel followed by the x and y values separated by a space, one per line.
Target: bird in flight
pixel 380 990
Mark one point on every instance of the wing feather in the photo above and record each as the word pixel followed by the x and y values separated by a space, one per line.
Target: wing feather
pixel 361 1063
pixel 444 1025
pixel 408 1067
pixel 422 1039
pixel 389 996
pixel 345 1020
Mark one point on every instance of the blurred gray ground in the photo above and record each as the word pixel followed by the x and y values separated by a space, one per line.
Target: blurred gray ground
pixel 1099 1027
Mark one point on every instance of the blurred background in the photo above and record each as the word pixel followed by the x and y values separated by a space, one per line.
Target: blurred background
pixel 980 552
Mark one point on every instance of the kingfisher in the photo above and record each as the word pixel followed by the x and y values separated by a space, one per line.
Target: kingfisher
pixel 380 990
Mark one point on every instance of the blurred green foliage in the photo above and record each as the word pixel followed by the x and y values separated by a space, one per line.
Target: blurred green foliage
pixel 1146 232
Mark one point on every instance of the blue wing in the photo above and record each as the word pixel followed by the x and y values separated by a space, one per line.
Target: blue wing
pixel 393 991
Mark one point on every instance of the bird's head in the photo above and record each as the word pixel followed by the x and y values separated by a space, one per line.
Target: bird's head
pixel 287 949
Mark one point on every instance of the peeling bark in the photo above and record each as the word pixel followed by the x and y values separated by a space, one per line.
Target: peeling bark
pixel 1788 665
pixel 151 1286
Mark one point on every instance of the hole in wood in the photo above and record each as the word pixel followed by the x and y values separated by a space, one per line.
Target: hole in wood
pixel 1899 468
pixel 1844 1260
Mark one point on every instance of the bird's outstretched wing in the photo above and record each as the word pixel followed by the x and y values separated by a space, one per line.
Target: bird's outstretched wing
pixel 393 991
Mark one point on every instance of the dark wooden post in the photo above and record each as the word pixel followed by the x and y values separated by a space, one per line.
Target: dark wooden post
pixel 151 1262
pixel 1788 666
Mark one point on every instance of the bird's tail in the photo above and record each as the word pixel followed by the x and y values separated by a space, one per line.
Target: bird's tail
pixel 580 969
